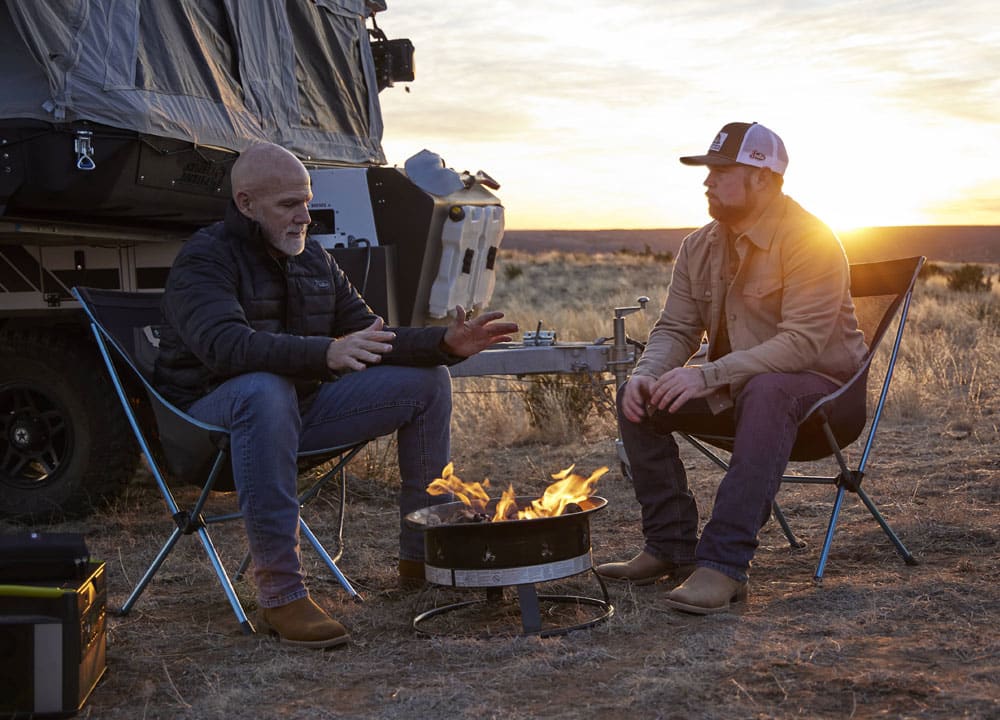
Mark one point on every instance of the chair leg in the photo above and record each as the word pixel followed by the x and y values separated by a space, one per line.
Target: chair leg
pixel 793 539
pixel 214 559
pixel 242 569
pixel 828 541
pixel 126 607
pixel 900 548
pixel 318 546
pixel 227 586
pixel 907 556
pixel 343 513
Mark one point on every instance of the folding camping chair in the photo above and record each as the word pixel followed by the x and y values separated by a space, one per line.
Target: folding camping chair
pixel 881 291
pixel 181 449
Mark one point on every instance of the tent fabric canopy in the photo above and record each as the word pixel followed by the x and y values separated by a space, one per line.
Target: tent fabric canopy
pixel 220 73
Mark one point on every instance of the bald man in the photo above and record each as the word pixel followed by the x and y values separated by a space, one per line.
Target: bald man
pixel 267 338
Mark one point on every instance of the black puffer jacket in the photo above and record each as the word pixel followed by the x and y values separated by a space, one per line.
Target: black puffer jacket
pixel 232 308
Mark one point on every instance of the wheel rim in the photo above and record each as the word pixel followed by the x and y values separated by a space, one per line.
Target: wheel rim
pixel 35 439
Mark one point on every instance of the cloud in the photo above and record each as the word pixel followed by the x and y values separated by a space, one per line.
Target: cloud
pixel 588 86
pixel 533 91
pixel 977 205
pixel 927 58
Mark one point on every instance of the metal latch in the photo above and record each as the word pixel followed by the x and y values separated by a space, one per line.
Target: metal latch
pixel 84 149
pixel 539 337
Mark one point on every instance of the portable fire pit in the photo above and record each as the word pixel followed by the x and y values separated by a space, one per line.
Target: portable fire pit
pixel 464 549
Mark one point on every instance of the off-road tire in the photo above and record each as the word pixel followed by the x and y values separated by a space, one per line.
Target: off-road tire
pixel 65 445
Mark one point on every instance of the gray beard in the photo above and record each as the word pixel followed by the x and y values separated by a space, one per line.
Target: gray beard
pixel 288 247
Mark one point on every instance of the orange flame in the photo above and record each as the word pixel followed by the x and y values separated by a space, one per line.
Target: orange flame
pixel 506 506
pixel 568 488
pixel 472 494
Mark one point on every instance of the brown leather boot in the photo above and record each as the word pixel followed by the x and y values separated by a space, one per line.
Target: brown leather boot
pixel 706 592
pixel 643 569
pixel 302 622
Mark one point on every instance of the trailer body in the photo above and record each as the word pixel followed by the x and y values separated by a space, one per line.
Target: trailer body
pixel 119 125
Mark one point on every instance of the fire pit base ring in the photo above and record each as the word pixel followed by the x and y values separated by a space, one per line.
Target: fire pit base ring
pixel 531 621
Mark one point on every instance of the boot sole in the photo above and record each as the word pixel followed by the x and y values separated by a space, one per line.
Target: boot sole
pixel 739 596
pixel 319 644
pixel 676 575
pixel 324 643
pixel 635 581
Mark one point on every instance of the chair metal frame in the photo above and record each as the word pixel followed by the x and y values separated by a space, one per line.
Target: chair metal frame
pixel 867 280
pixel 119 355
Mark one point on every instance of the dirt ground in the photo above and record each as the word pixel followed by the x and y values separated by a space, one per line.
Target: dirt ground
pixel 878 638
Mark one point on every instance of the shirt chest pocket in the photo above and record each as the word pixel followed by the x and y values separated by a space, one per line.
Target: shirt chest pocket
pixel 762 299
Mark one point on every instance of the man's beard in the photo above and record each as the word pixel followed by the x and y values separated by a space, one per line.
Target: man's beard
pixel 283 242
pixel 289 245
pixel 728 214
pixel 732 214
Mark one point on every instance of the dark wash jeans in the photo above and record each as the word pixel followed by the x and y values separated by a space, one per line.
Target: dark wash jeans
pixel 268 427
pixel 763 423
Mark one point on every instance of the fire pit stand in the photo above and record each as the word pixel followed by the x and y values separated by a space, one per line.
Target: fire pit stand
pixel 510 553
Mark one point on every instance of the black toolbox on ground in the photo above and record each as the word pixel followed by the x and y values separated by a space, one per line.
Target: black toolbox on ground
pixel 52 643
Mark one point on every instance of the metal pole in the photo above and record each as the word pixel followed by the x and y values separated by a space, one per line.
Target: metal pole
pixel 623 356
pixel 622 361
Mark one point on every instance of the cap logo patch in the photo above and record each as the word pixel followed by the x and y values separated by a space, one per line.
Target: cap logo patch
pixel 717 144
pixel 758 155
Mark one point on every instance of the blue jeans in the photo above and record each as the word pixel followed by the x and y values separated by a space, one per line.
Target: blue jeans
pixel 763 424
pixel 269 426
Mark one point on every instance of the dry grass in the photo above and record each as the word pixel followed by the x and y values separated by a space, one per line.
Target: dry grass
pixel 877 639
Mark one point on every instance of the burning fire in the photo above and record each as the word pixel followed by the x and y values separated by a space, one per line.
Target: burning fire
pixel 568 488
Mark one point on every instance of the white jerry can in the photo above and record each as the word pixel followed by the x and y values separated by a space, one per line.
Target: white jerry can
pixel 466 274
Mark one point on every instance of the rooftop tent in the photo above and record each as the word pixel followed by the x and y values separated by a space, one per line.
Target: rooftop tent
pixel 219 73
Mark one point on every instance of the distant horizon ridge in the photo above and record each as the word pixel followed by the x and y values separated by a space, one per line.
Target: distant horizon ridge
pixel 949 243
pixel 695 227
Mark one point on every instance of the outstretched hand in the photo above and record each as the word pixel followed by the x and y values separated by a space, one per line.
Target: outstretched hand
pixel 359 349
pixel 465 337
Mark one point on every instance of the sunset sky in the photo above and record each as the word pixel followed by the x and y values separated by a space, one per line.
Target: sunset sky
pixel 890 111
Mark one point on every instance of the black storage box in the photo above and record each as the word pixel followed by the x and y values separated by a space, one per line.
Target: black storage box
pixel 34 557
pixel 136 180
pixel 52 644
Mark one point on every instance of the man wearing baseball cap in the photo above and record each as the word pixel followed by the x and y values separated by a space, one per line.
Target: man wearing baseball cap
pixel 768 284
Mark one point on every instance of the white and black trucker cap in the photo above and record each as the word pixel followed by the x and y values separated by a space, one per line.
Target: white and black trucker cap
pixel 745 144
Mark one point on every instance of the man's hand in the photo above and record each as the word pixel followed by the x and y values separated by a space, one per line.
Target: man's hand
pixel 466 337
pixel 359 349
pixel 670 391
pixel 675 387
pixel 636 397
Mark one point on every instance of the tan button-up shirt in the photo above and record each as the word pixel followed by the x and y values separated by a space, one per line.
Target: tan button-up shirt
pixel 788 309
